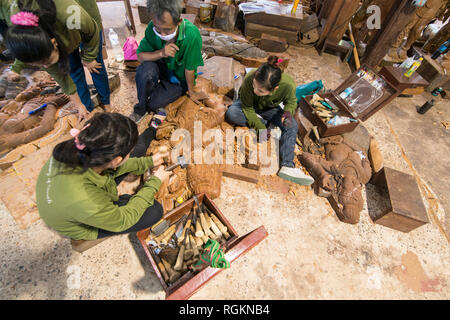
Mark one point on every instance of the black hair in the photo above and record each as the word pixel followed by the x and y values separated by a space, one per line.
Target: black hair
pixel 33 44
pixel 158 7
pixel 109 135
pixel 269 74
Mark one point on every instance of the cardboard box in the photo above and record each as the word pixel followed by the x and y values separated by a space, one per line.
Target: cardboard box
pixel 190 282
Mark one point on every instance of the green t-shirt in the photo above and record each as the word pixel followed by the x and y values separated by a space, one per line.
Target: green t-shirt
pixel 87 33
pixel 76 205
pixel 189 41
pixel 251 102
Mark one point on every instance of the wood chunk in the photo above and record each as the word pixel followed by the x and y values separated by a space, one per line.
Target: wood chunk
pixel 284 22
pixel 256 31
pixel 240 173
pixel 272 43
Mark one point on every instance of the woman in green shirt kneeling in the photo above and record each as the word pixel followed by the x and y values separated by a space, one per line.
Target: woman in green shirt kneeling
pixel 76 190
pixel 267 97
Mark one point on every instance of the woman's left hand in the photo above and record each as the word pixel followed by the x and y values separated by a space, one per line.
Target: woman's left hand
pixel 93 66
pixel 158 158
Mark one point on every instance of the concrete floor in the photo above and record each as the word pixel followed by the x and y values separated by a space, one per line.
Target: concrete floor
pixel 309 254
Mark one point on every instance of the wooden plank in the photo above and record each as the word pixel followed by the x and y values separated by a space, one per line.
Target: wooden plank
pixel 240 247
pixel 241 173
pixel 256 31
pixel 272 43
pixel 290 23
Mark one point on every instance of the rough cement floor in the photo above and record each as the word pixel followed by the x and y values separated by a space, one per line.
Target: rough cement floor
pixel 309 254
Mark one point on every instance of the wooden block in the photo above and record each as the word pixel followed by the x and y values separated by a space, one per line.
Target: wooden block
pixel 272 43
pixel 284 22
pixel 240 173
pixel 220 71
pixel 257 30
pixel 404 210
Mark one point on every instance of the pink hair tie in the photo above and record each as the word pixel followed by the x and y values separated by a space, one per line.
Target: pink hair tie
pixel 24 18
pixel 75 133
pixel 279 61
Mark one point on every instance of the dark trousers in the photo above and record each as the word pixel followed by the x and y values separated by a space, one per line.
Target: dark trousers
pixel 100 80
pixel 154 213
pixel 154 90
pixel 236 116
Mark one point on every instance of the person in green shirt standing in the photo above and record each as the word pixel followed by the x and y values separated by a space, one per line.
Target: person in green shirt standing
pixel 170 54
pixel 76 191
pixel 63 37
pixel 267 97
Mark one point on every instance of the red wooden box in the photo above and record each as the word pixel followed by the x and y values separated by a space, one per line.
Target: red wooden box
pixel 191 282
pixel 372 100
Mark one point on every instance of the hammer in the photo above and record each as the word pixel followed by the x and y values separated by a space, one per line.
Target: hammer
pixel 181 162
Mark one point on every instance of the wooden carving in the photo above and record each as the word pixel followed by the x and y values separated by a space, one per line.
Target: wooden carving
pixel 343 174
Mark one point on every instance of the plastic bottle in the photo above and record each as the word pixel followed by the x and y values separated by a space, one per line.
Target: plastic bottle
pixel 346 93
pixel 413 68
pixel 437 91
pixel 116 48
pixel 407 63
pixel 442 49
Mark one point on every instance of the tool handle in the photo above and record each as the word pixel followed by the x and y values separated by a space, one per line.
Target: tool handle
pixel 165 233
pixel 180 258
pixel 194 246
pixel 166 239
pixel 214 228
pixel 162 268
pixel 37 109
pixel 173 166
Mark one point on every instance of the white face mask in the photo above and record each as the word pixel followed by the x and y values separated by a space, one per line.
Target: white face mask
pixel 168 37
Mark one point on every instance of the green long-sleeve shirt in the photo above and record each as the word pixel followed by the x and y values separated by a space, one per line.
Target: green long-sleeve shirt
pixel 251 102
pixel 77 204
pixel 71 28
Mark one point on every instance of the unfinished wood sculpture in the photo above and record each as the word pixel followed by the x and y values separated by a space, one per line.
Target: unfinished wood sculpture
pixel 343 174
pixel 20 127
pixel 182 114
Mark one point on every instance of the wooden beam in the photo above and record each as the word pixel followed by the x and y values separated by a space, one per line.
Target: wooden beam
pixel 400 15
pixel 241 173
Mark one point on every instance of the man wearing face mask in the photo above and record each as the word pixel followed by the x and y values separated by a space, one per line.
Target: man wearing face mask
pixel 170 54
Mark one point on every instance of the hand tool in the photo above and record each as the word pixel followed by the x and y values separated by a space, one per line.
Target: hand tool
pixel 198 240
pixel 161 268
pixel 161 226
pixel 186 227
pixel 181 162
pixel 184 268
pixel 214 227
pixel 205 225
pixel 180 259
pixel 196 222
pixel 189 251
pixel 222 228
pixel 37 109
pixel 164 234
pixel 180 226
pixel 194 246
pixel 167 238
pixel 173 275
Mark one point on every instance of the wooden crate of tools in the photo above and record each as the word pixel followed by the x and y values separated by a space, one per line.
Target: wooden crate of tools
pixel 184 284
pixel 370 92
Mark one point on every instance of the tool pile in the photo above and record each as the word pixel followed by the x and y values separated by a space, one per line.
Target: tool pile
pixel 177 247
pixel 328 112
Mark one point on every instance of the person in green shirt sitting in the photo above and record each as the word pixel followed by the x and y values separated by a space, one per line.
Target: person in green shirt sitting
pixel 76 191
pixel 170 54
pixel 267 97
pixel 63 37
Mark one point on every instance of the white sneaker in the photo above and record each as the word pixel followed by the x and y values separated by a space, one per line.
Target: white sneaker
pixel 295 175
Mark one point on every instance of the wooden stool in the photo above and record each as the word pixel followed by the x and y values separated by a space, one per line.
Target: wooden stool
pixel 83 245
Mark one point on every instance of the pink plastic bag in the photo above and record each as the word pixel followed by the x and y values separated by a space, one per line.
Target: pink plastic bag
pixel 129 49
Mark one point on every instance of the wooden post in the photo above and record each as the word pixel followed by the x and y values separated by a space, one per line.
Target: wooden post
pixel 400 15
